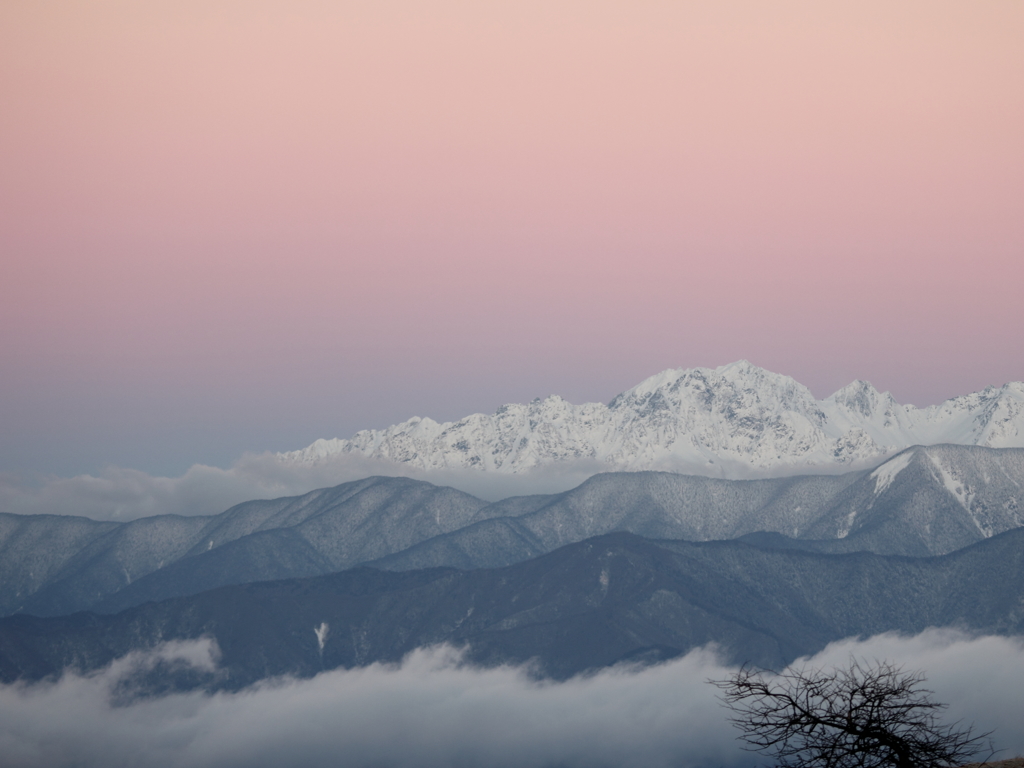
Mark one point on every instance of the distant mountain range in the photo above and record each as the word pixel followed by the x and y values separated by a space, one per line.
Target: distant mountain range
pixel 923 501
pixel 613 598
pixel 737 421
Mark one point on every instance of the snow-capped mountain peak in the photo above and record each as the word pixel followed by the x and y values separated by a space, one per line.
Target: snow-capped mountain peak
pixel 860 397
pixel 737 420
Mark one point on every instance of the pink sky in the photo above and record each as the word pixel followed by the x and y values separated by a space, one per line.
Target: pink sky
pixel 231 226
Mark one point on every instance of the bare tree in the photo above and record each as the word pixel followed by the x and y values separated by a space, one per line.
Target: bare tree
pixel 859 716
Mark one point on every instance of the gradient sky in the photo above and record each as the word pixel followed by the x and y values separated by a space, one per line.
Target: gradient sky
pixel 231 226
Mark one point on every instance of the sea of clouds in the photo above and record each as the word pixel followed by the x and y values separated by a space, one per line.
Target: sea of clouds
pixel 124 494
pixel 434 710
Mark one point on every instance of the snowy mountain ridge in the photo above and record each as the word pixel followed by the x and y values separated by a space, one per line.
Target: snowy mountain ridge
pixel 734 421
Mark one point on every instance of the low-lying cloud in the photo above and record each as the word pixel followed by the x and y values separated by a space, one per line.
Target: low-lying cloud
pixel 127 494
pixel 433 710
pixel 124 494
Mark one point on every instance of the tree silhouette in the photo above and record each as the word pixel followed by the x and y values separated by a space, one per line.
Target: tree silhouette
pixel 859 716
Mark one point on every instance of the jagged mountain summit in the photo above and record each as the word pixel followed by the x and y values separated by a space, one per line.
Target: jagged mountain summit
pixel 735 421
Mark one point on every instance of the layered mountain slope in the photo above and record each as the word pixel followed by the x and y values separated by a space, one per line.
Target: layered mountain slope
pixel 735 421
pixel 34 549
pixel 322 531
pixel 909 506
pixel 923 501
pixel 929 501
pixel 650 504
pixel 587 605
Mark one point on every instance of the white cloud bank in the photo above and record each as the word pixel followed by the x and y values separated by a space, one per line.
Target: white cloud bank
pixel 434 711
pixel 126 494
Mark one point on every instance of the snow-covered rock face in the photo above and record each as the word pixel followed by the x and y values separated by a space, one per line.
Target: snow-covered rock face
pixel 735 421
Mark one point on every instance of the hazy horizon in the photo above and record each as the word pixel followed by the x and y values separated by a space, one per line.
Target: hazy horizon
pixel 234 227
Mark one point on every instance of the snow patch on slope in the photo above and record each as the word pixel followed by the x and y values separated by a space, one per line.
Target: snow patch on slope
pixel 956 486
pixel 321 635
pixel 886 473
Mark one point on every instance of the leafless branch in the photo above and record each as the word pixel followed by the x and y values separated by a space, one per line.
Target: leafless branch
pixel 859 716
